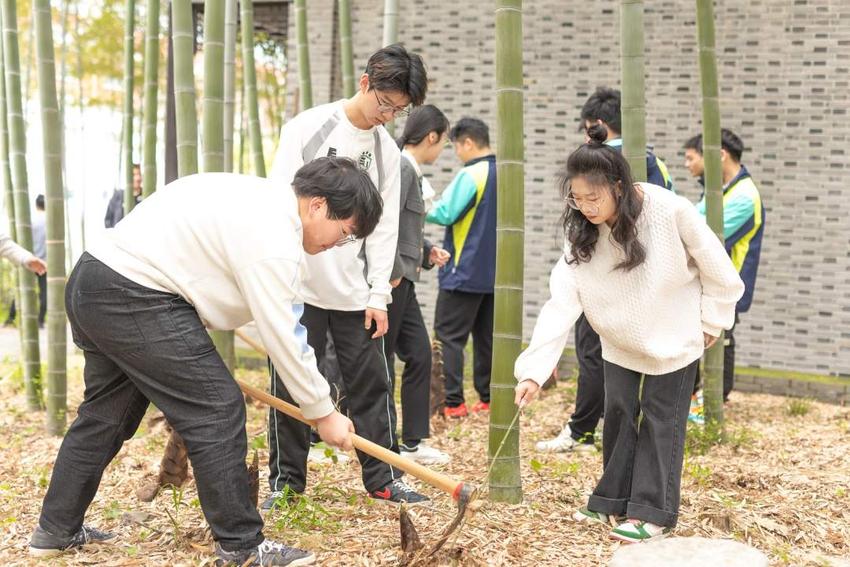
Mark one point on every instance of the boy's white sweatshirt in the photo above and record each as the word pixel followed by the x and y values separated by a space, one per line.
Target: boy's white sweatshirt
pixel 230 245
pixel 650 319
pixel 356 276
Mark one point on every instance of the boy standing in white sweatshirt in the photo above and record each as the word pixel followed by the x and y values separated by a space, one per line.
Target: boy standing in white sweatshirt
pixel 208 251
pixel 347 291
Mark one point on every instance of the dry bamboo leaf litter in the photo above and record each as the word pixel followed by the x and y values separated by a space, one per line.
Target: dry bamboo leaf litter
pixel 781 485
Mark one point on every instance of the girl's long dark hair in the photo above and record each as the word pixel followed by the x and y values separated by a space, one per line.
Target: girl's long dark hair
pixel 422 121
pixel 601 165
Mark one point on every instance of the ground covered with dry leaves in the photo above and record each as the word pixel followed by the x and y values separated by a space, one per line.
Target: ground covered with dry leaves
pixel 779 482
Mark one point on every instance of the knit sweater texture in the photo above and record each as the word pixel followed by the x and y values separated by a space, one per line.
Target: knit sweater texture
pixel 650 319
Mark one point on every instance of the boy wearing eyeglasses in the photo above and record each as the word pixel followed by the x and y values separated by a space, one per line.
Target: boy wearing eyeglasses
pixel 346 294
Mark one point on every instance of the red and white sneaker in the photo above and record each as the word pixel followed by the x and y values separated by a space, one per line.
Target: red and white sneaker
pixel 480 407
pixel 456 412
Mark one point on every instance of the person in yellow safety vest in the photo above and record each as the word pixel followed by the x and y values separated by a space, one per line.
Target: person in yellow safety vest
pixel 743 225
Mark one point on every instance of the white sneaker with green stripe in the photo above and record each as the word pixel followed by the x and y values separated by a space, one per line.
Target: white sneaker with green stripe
pixel 637 531
pixel 589 516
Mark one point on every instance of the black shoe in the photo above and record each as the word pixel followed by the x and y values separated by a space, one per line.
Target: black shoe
pixel 267 553
pixel 45 544
pixel 398 491
pixel 277 497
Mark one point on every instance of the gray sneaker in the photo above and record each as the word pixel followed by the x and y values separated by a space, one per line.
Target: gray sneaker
pixel 45 544
pixel 397 491
pixel 277 497
pixel 265 554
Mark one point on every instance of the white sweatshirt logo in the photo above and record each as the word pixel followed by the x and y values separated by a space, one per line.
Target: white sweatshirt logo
pixel 365 160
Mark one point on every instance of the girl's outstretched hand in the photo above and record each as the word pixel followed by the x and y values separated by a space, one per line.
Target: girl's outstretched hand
pixel 525 392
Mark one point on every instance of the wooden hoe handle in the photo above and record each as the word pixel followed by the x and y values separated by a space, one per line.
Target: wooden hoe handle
pixel 434 478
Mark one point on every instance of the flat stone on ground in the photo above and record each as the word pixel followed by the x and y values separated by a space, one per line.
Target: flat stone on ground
pixel 689 552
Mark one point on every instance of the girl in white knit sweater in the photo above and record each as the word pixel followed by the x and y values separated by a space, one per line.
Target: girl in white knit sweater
pixel 658 287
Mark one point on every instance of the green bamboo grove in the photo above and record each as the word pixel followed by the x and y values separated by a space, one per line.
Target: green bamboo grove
pixel 23 225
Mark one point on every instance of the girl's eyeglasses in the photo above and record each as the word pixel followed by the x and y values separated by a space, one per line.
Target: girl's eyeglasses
pixel 587 206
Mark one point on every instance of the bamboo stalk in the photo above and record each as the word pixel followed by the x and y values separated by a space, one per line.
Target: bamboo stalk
pixel 249 71
pixel 185 114
pixel 63 75
pixel 345 48
pixel 5 170
pixel 390 37
pixel 81 102
pixel 504 477
pixel 390 22
pixel 303 50
pixel 229 80
pixel 151 114
pixel 632 108
pixel 713 383
pixel 213 117
pixel 51 128
pixel 129 48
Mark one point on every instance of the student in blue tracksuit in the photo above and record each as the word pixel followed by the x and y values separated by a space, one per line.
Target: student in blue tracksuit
pixel 467 208
pixel 603 108
pixel 743 226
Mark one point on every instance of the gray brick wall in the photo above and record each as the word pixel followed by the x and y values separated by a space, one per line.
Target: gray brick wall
pixel 784 90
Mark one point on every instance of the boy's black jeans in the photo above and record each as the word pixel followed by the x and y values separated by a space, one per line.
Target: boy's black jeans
pixel 143 345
